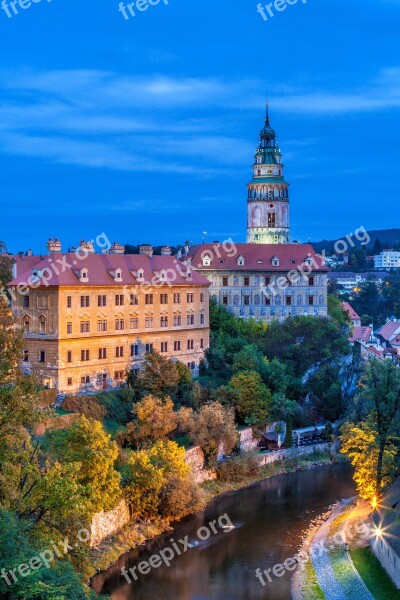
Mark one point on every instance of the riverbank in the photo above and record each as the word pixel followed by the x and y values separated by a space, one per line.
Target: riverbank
pixel 136 534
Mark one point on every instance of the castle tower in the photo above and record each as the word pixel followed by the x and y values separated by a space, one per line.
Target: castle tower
pixel 268 193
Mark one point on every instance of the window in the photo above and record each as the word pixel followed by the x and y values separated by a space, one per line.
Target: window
pixel 69 327
pixel 225 300
pixel 206 261
pixel 246 300
pixel 164 321
pixel 119 300
pixel 85 355
pixel 202 297
pixel 135 350
pixel 42 324
pixel 163 298
pixel 85 379
pixel 25 301
pixel 149 321
pixel 311 300
pixel 133 300
pixel 26 355
pixel 177 346
pixel 311 280
pixel 190 320
pixel 119 351
pixel 102 353
pixel 85 301
pixel 42 356
pixel 149 348
pixel 164 347
pixel 247 281
pixel 69 356
pixel 288 300
pixel 275 261
pixel 27 324
pixel 102 300
pixel 119 324
pixel 190 298
pixel 267 300
pixel 240 261
pixel 149 299
pixel 42 301
pixel 202 343
pixel 225 281
pixel 177 298
pixel 190 344
pixel 85 326
pixel 134 323
pixel 69 381
pixel 177 321
pixel 69 301
pixel 119 375
pixel 267 280
pixel 102 325
pixel 202 319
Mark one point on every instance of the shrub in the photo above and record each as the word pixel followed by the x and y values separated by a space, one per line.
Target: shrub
pixel 239 467
pixel 117 404
pixel 47 398
pixel 88 406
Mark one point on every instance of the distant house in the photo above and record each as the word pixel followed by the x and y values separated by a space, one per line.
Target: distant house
pixel 354 317
pixel 385 539
pixel 360 334
pixel 350 281
pixel 389 335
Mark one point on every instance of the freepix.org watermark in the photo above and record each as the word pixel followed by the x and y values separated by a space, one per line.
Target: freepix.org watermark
pixel 13 8
pixel 267 11
pixel 167 554
pixel 44 559
pixel 131 9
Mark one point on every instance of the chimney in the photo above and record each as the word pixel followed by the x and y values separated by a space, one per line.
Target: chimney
pixel 187 247
pixel 179 254
pixel 146 250
pixel 53 245
pixel 29 252
pixel 86 247
pixel 166 251
pixel 117 248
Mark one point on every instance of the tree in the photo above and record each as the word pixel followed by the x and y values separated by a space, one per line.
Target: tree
pixel 212 428
pixel 336 311
pixel 154 420
pixel 6 264
pixel 254 398
pixel 361 444
pixel 159 481
pixel 324 390
pixel 249 359
pixel 159 376
pixel 88 446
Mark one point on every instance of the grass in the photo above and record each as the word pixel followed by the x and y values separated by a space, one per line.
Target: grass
pixel 113 427
pixel 310 588
pixel 374 575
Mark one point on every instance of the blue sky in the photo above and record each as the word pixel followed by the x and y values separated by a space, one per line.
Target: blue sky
pixel 146 129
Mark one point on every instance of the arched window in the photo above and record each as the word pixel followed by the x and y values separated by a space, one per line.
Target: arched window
pixel 277 300
pixel 236 299
pixel 298 300
pixel 257 299
pixel 27 324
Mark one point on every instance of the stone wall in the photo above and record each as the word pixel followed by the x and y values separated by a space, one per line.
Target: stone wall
pixel 387 557
pixel 196 460
pixel 271 457
pixel 105 524
pixel 247 441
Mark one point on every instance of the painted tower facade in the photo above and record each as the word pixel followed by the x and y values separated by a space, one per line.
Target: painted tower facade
pixel 268 193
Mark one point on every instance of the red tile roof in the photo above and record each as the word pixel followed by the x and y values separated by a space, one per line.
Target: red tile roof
pixel 361 333
pixel 25 263
pixel 389 330
pixel 63 270
pixel 257 257
pixel 353 315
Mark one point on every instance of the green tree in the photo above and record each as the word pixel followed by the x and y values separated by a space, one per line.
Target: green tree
pixel 336 311
pixel 86 445
pixel 254 398
pixel 159 376
pixel 6 264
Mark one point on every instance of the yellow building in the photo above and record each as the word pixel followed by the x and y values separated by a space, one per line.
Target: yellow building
pixel 89 318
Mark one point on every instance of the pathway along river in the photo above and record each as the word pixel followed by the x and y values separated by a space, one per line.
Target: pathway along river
pixel 270 519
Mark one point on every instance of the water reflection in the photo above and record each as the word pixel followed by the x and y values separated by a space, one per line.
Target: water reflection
pixel 270 519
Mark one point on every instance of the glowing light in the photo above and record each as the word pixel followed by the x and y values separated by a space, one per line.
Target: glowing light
pixel 374 503
pixel 378 532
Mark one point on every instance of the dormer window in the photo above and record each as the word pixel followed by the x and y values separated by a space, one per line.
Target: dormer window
pixel 118 275
pixel 84 275
pixel 206 261
pixel 308 261
pixel 140 275
pixel 275 261
pixel 240 261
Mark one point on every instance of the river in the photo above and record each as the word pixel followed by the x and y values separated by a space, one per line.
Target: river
pixel 270 519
